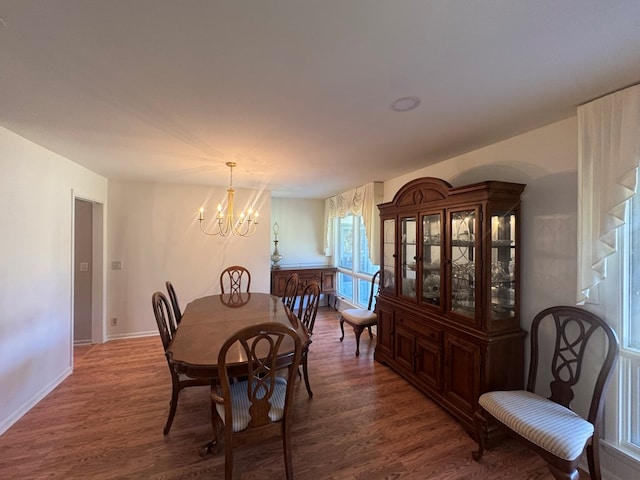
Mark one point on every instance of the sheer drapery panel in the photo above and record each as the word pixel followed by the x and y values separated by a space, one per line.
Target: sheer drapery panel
pixel 609 156
pixel 361 201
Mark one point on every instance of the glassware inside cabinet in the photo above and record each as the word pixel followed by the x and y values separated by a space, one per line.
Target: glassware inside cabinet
pixel 431 258
pixel 389 249
pixel 463 269
pixel 408 256
pixel 503 263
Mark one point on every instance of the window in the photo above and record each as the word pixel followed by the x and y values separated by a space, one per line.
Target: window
pixel 629 389
pixel 355 269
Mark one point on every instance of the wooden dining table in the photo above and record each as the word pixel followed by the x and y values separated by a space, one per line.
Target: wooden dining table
pixel 208 321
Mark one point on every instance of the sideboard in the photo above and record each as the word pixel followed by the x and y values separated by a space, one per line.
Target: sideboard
pixel 325 276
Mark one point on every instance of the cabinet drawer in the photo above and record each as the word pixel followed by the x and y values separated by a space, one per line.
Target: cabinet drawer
pixel 426 332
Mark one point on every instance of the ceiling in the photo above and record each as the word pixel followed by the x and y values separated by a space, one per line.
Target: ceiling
pixel 299 93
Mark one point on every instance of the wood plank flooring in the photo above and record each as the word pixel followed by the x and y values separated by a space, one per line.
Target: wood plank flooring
pixel 105 422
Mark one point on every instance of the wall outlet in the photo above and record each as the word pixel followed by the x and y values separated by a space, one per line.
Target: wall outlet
pixel 114 322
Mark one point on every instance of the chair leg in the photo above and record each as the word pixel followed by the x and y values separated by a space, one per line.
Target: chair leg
pixel 358 332
pixel 593 459
pixel 228 457
pixel 342 328
pixel 370 333
pixel 305 372
pixel 286 447
pixel 173 405
pixel 561 475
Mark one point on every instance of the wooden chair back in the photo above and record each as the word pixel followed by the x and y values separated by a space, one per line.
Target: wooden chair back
pixel 572 329
pixel 374 288
pixel 164 318
pixel 255 409
pixel 177 313
pixel 233 278
pixel 308 308
pixel 291 291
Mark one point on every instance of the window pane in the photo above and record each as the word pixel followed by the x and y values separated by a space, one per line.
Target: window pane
pixel 345 242
pixel 365 263
pixel 345 286
pixel 634 280
pixel 352 259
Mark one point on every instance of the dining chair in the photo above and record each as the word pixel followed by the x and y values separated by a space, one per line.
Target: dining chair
pixel 234 277
pixel 291 291
pixel 548 425
pixel 166 328
pixel 177 313
pixel 360 318
pixel 256 409
pixel 307 310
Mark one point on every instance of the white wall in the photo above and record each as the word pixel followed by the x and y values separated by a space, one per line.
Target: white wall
pixel 301 223
pixel 36 205
pixel 154 232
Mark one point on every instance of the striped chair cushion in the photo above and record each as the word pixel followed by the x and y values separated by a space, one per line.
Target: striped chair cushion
pixel 360 316
pixel 545 423
pixel 240 404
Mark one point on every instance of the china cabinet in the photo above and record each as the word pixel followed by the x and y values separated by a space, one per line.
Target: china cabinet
pixel 448 307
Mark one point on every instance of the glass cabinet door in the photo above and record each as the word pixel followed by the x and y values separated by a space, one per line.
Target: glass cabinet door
pixel 388 280
pixel 431 258
pixel 503 265
pixel 463 266
pixel 408 256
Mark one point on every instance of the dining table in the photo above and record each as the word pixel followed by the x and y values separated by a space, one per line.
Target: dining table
pixel 207 322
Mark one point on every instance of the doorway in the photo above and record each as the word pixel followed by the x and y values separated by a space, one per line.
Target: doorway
pixel 88 301
pixel 82 274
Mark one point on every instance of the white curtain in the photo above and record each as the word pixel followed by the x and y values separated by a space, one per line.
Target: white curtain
pixel 359 201
pixel 609 156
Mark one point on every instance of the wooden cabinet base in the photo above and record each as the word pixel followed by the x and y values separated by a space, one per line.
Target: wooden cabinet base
pixel 325 276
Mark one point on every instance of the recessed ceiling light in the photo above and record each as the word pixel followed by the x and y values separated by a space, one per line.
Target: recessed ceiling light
pixel 405 104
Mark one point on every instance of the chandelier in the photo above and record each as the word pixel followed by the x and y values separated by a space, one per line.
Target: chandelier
pixel 226 223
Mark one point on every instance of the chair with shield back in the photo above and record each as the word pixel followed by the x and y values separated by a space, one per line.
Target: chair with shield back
pixel 291 291
pixel 360 318
pixel 235 279
pixel 307 311
pixel 177 313
pixel 258 408
pixel 167 328
pixel 549 426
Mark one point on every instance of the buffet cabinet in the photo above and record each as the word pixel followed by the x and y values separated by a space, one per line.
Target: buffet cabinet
pixel 448 306
pixel 325 276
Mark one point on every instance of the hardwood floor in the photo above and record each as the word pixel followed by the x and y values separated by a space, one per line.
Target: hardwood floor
pixel 364 422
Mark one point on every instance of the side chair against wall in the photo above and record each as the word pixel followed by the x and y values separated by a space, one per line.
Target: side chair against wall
pixel 256 409
pixel 166 328
pixel 291 291
pixel 307 311
pixel 549 426
pixel 233 278
pixel 177 313
pixel 360 318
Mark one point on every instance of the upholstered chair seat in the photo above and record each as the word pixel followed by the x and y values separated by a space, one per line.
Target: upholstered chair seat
pixel 360 316
pixel 548 424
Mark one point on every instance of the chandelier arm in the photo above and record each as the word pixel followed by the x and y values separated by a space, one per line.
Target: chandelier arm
pixel 226 223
